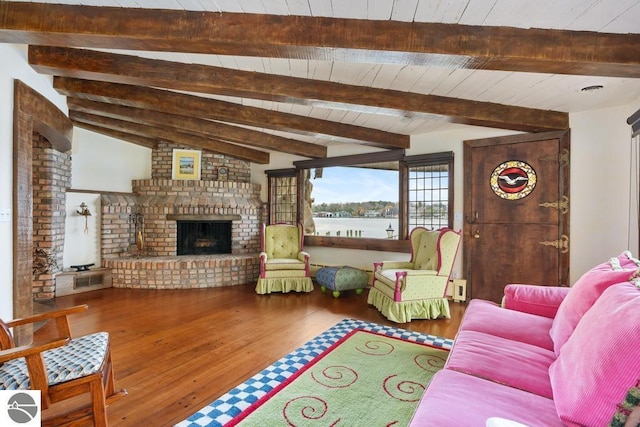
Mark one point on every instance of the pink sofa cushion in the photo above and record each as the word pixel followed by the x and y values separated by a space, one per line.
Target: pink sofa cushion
pixel 584 293
pixel 457 399
pixel 490 318
pixel 535 299
pixel 599 363
pixel 512 363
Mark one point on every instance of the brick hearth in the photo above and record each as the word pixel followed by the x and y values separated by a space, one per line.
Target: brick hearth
pixel 159 201
pixel 184 272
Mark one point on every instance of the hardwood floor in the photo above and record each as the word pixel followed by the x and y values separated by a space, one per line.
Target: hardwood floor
pixel 176 351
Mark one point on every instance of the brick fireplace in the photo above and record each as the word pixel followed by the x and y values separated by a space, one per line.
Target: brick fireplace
pixel 150 217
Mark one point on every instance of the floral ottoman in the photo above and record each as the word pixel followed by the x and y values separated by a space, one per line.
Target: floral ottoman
pixel 339 279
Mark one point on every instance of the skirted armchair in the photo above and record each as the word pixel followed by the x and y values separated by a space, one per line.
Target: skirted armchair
pixel 403 291
pixel 284 267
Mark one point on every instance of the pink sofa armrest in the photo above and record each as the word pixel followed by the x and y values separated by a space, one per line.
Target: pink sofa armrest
pixel 534 299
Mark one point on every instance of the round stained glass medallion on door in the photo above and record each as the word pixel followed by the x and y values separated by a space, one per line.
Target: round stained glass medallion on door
pixel 513 180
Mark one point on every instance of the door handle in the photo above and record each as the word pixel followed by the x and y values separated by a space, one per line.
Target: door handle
pixel 474 220
pixel 476 235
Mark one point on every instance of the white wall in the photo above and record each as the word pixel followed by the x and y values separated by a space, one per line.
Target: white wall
pixel 99 163
pixel 14 66
pixel 82 246
pixel 103 163
pixel 600 187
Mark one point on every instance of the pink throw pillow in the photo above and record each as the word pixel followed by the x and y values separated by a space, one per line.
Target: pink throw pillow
pixel 599 363
pixel 584 293
pixel 626 260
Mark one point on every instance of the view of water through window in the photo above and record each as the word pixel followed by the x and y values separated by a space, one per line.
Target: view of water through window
pixel 373 228
pixel 363 201
pixel 355 202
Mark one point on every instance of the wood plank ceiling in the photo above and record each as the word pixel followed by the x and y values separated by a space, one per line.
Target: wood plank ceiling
pixel 250 77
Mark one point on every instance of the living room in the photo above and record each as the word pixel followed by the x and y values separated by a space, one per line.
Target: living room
pixel 603 197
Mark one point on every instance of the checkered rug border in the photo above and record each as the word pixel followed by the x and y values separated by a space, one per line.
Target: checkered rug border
pixel 240 398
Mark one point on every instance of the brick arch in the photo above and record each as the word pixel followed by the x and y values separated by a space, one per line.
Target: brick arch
pixel 32 113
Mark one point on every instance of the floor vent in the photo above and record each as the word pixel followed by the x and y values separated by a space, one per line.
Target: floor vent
pixel 73 282
pixel 92 280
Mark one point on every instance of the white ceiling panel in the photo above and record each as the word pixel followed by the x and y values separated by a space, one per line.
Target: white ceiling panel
pixel 404 10
pixel 447 11
pixel 276 7
pixel 379 10
pixel 223 5
pixel 194 5
pixel 626 22
pixel 299 7
pixel 599 14
pixel 447 78
pixel 349 9
pixel 321 8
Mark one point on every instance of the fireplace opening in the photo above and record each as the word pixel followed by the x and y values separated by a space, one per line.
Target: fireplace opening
pixel 203 237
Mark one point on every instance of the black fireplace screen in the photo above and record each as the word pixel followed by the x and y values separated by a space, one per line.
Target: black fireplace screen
pixel 204 237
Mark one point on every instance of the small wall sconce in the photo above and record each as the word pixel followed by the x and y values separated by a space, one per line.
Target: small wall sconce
pixel 85 212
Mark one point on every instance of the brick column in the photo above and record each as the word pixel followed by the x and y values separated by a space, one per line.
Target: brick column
pixel 51 178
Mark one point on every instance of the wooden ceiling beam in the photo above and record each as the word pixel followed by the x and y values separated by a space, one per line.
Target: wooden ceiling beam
pixel 320 38
pixel 43 116
pixel 124 136
pixel 129 69
pixel 172 135
pixel 200 127
pixel 206 108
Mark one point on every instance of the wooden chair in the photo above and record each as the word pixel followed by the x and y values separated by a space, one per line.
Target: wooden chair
pixel 61 368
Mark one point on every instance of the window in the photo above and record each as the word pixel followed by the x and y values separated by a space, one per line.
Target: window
pixel 370 201
pixel 429 190
pixel 354 201
pixel 283 196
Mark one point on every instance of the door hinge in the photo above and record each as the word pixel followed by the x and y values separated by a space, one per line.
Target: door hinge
pixel 562 243
pixel 562 205
pixel 562 158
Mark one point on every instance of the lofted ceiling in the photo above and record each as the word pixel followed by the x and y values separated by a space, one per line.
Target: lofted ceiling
pixel 250 77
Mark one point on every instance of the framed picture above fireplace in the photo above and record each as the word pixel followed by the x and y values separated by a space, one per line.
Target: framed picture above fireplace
pixel 186 164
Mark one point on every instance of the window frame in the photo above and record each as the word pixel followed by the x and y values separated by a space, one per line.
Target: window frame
pixel 404 164
pixel 275 174
pixel 435 159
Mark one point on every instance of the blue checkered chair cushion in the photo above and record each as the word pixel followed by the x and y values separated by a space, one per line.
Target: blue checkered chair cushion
pixel 80 357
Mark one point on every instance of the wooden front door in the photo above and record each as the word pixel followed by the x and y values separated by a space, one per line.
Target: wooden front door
pixel 516 212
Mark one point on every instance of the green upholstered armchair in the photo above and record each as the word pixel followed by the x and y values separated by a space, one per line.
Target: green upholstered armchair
pixel 284 267
pixel 416 289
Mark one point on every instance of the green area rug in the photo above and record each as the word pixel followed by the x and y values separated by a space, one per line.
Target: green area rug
pixel 244 401
pixel 363 377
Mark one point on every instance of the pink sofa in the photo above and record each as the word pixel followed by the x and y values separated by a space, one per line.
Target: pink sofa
pixel 551 357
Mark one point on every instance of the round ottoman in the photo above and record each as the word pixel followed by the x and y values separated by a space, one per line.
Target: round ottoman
pixel 339 279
